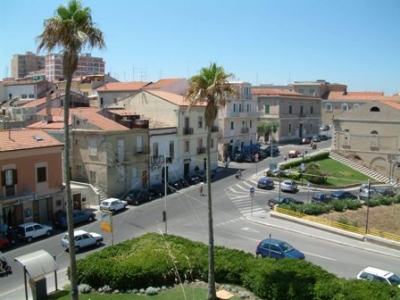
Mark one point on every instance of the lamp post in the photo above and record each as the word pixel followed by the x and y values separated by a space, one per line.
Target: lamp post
pixel 165 195
pixel 366 222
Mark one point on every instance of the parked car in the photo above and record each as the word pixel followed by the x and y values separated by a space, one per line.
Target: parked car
pixel 375 274
pixel 324 137
pixel 368 194
pixel 193 179
pixel 316 138
pixel 306 140
pixel 179 184
pixel 158 190
pixel 4 242
pixel 343 195
pixel 282 200
pixel 82 239
pixel 321 197
pixel 277 249
pixel 289 186
pixel 78 216
pixel 275 151
pixel 113 205
pixel 136 196
pixel 294 153
pixel 324 127
pixel 32 230
pixel 238 157
pixel 265 183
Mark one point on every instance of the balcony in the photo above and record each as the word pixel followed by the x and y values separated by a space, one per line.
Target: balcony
pixel 214 129
pixel 187 130
pixel 201 150
pixel 244 130
pixel 141 150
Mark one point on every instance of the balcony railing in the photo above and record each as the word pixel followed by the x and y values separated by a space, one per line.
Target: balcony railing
pixel 201 150
pixel 160 160
pixel 142 150
pixel 244 130
pixel 187 130
pixel 214 128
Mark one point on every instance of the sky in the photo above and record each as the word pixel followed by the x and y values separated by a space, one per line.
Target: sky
pixel 352 42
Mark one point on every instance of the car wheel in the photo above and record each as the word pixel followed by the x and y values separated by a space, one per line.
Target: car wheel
pixel 90 219
pixel 258 186
pixel 98 243
pixel 29 239
pixel 48 233
pixel 77 248
pixel 258 255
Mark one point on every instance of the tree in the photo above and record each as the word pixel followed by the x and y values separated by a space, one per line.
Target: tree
pixel 262 129
pixel 71 30
pixel 271 127
pixel 211 87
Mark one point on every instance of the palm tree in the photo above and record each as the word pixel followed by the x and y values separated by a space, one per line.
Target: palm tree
pixel 211 87
pixel 71 30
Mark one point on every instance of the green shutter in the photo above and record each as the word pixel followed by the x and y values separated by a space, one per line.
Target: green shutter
pixel 267 108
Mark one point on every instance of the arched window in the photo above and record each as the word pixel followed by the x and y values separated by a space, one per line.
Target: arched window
pixel 374 132
pixel 374 140
pixel 345 106
pixel 374 108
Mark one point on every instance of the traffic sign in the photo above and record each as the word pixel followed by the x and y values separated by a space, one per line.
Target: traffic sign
pixel 252 190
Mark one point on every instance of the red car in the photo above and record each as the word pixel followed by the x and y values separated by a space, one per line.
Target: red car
pixel 294 153
pixel 4 242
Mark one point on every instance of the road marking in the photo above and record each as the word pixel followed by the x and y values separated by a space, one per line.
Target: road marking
pixel 320 256
pixel 250 229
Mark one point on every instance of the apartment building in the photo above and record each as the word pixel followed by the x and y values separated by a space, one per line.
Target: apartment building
pixel 87 65
pixel 237 121
pixel 23 64
pixel 31 176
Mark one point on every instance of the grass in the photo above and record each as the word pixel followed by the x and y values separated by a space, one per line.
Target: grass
pixel 188 292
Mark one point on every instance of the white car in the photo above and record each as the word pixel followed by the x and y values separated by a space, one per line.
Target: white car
pixel 82 239
pixel 31 230
pixel 113 205
pixel 289 186
pixel 375 274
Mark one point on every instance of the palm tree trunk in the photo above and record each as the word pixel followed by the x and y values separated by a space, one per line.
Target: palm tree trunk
pixel 211 274
pixel 69 202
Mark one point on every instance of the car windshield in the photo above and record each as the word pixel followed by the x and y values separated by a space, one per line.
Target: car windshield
pixel 394 279
pixel 286 247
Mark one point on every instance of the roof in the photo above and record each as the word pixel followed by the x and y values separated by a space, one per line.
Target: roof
pixel 376 271
pixel 174 98
pixel 38 263
pixel 22 139
pixel 162 82
pixel 276 92
pixel 123 86
pixel 393 104
pixel 91 115
pixel 361 96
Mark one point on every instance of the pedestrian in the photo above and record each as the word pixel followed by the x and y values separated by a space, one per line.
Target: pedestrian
pixel 228 160
pixel 201 189
pixel 285 158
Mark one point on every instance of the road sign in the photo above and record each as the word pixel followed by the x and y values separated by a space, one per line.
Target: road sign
pixel 252 190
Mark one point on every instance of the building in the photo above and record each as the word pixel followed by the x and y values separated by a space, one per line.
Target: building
pixel 23 64
pixel 297 115
pixel 237 122
pixel 31 176
pixel 370 134
pixel 87 65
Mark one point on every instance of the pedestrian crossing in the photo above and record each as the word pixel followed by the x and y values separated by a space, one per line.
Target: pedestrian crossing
pixel 239 194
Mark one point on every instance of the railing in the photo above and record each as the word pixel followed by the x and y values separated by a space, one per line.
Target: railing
pixel 142 150
pixel 187 130
pixel 201 150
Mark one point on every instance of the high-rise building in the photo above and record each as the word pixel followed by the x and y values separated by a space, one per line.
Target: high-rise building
pixel 87 65
pixel 22 64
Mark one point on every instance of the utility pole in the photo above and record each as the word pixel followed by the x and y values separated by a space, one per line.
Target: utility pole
pixel 366 223
pixel 165 195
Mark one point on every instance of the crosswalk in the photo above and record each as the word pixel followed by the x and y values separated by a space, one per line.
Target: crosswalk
pixel 239 194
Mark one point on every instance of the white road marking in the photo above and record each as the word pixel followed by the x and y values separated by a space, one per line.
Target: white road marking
pixel 320 256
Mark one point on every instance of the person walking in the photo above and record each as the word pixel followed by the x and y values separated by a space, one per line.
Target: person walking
pixel 201 188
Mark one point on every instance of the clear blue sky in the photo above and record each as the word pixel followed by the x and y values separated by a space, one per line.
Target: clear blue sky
pixel 354 42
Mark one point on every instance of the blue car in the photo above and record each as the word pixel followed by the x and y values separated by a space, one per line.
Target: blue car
pixel 343 195
pixel 277 249
pixel 79 216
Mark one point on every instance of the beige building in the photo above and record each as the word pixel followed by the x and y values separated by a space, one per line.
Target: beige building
pixel 297 115
pixel 23 64
pixel 237 122
pixel 173 110
pixel 31 176
pixel 370 134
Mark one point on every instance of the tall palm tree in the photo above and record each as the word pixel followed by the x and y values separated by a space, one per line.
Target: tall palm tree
pixel 211 87
pixel 71 30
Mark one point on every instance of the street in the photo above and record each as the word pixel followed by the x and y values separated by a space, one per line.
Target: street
pixel 233 209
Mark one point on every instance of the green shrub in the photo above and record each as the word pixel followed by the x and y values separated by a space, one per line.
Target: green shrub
pixel 373 202
pixel 339 205
pixel 353 204
pixel 386 200
pixel 314 209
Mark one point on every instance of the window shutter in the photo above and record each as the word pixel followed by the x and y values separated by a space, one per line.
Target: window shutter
pixel 15 176
pixel 3 178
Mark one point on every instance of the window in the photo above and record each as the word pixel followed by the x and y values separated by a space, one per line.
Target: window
pixel 266 108
pixel 290 128
pixel 301 109
pixel 311 109
pixel 234 107
pixel 212 143
pixel 155 149
pixel 121 173
pixel 9 177
pixel 328 106
pixel 243 124
pixel 92 175
pixel 301 91
pixel 374 139
pixel 374 109
pixel 171 150
pixel 251 124
pixel 248 107
pixel 92 147
pixel 41 174
pixel 200 122
pixel 312 92
pixel 23 96
pixel 187 148
pixel 232 125
pixel 240 107
pixel 79 170
pixel 290 109
pixel 345 107
pixel 31 96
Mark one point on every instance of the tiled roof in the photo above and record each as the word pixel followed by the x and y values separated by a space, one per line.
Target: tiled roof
pixel 123 86
pixel 173 98
pixel 275 92
pixel 56 124
pixel 92 116
pixel 40 101
pixel 122 112
pixel 23 139
pixel 162 82
pixel 360 96
pixel 394 104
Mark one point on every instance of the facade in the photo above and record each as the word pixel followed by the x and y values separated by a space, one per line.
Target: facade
pixel 237 122
pixel 370 133
pixel 297 115
pixel 87 65
pixel 31 176
pixel 25 89
pixel 173 110
pixel 23 64
pixel 110 149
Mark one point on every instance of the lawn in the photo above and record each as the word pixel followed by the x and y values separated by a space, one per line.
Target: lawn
pixel 340 174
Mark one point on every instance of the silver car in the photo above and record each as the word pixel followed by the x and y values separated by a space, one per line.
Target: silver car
pixel 113 205
pixel 82 239
pixel 289 186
